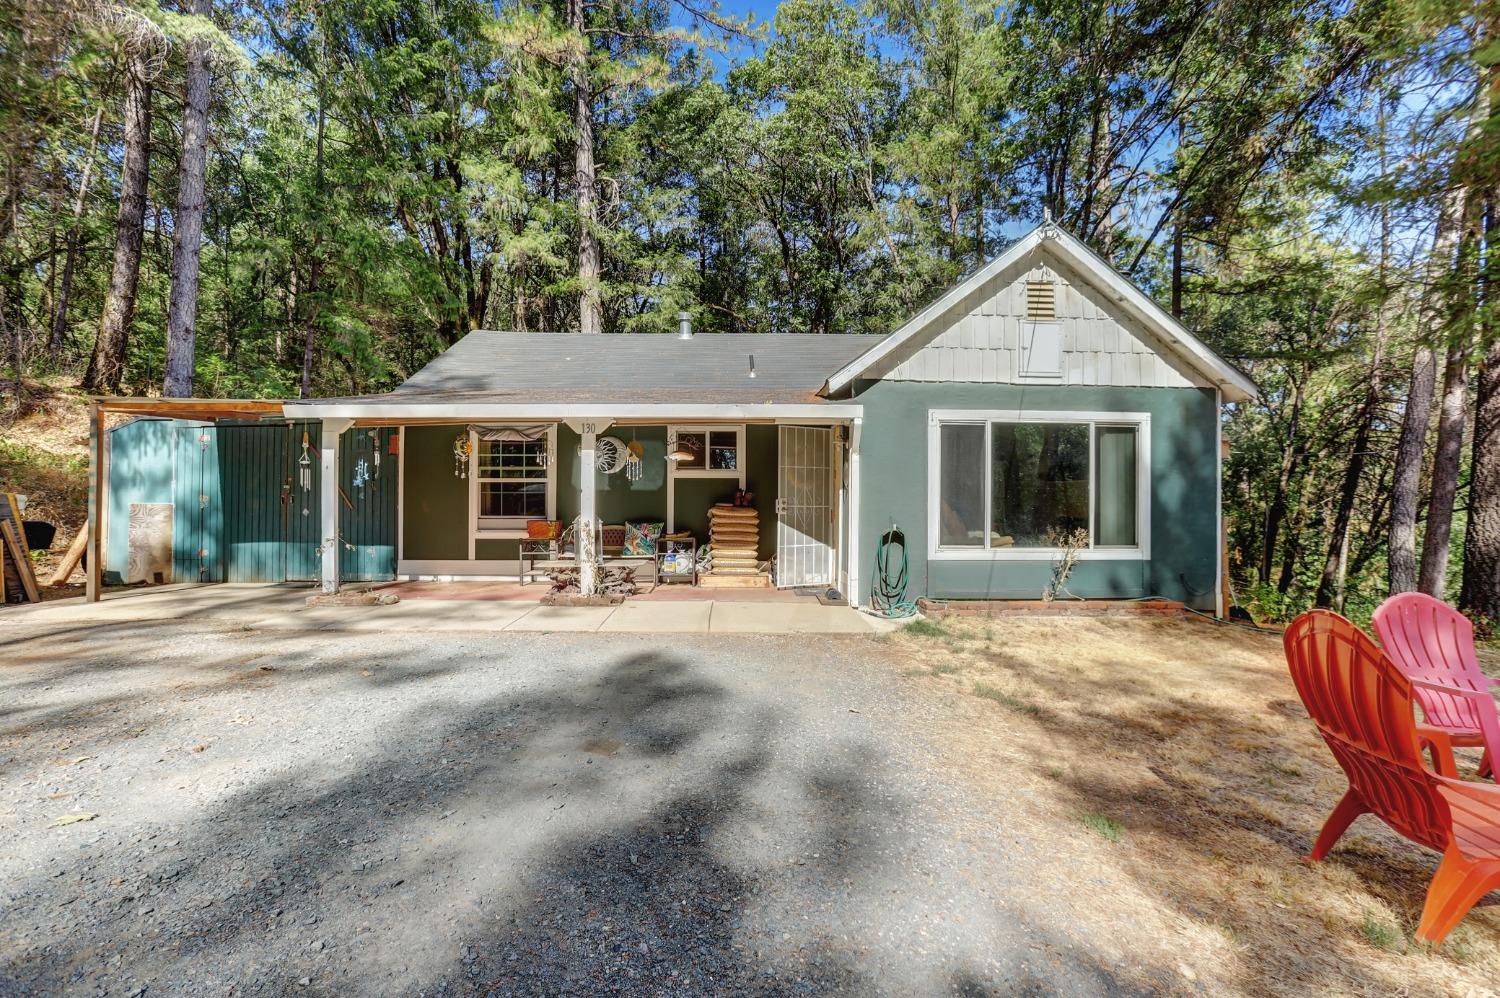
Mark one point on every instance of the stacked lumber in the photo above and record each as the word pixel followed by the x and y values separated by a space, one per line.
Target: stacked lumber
pixel 15 559
pixel 734 540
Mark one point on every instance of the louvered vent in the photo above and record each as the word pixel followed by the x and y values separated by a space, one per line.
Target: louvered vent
pixel 1041 300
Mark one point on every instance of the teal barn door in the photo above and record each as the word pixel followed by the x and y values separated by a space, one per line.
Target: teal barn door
pixel 302 510
pixel 252 458
pixel 367 504
pixel 198 515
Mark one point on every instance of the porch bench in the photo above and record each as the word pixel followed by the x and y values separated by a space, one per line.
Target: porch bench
pixel 611 552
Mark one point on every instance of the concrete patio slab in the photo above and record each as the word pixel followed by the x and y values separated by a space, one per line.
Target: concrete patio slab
pixel 661 618
pixel 784 618
pixel 562 618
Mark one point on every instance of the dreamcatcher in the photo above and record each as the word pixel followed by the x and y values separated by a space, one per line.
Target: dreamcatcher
pixel 633 454
pixel 610 455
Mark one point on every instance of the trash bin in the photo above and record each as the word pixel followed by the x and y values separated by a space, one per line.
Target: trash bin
pixel 39 534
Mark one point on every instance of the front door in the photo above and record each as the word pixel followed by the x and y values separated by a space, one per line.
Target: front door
pixel 805 507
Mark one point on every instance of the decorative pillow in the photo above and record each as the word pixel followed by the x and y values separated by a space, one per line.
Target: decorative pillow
pixel 544 530
pixel 640 539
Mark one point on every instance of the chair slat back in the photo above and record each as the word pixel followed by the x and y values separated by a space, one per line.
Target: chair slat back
pixel 1362 705
pixel 1430 640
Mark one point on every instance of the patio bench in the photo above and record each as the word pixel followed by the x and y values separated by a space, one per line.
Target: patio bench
pixel 611 553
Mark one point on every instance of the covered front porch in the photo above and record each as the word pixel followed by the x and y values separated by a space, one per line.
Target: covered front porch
pixel 484 490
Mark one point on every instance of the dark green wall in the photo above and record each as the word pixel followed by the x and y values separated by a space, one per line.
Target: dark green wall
pixel 434 501
pixel 1184 438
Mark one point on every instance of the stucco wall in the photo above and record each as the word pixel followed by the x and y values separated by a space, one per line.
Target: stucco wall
pixel 1184 438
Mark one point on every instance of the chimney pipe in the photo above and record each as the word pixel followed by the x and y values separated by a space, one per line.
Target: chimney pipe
pixel 684 325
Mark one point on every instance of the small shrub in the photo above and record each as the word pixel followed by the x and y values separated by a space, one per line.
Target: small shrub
pixel 925 629
pixel 1107 828
pixel 1004 699
pixel 942 668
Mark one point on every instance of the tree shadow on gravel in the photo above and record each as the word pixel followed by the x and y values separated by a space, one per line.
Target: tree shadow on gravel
pixel 638 828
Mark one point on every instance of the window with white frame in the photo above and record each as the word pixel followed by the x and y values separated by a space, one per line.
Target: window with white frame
pixel 1022 484
pixel 513 482
pixel 707 451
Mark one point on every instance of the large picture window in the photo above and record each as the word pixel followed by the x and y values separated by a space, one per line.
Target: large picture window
pixel 1027 484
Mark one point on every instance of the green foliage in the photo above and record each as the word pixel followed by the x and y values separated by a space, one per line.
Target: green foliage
pixel 1106 828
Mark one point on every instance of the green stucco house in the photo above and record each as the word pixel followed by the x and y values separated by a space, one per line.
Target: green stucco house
pixel 1044 401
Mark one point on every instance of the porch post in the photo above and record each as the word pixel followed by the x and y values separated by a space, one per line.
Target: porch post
pixel 586 507
pixel 98 489
pixel 328 466
pixel 853 539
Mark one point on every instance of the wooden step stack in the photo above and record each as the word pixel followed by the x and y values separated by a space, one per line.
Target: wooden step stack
pixel 734 535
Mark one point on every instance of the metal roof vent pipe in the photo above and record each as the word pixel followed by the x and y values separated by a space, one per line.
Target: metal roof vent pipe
pixel 684 325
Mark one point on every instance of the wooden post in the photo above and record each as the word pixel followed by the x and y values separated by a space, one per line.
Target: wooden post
pixel 586 507
pixel 328 466
pixel 98 483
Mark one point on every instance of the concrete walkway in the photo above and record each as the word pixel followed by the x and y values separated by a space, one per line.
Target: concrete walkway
pixel 259 607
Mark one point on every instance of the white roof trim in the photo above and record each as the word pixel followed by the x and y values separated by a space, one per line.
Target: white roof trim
pixel 1175 336
pixel 831 412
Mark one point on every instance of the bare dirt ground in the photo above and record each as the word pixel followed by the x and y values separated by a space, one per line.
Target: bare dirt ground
pixel 1085 807
pixel 1180 776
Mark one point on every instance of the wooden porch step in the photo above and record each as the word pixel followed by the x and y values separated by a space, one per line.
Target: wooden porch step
pixel 716 580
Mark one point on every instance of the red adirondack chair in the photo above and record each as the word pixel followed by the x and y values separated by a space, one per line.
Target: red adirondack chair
pixel 1362 705
pixel 1431 641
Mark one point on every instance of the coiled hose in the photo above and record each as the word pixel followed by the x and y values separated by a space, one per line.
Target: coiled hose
pixel 888 596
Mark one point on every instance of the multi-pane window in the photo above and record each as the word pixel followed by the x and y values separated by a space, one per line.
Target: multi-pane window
pixel 512 479
pixel 708 452
pixel 1036 484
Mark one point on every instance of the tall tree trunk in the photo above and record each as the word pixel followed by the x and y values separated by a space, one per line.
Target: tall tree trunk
pixel 1445 468
pixel 1481 583
pixel 107 364
pixel 187 234
pixel 590 308
pixel 1338 537
pixel 1407 484
pixel 1276 511
pixel 315 266
pixel 70 252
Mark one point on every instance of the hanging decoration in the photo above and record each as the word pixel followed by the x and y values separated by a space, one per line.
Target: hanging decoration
pixel 375 453
pixel 361 473
pixel 609 455
pixel 634 451
pixel 304 472
pixel 462 451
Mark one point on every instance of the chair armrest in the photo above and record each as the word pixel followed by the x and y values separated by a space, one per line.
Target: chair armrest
pixel 1494 681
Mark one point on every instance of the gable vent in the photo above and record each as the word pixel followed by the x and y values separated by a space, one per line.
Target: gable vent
pixel 1041 300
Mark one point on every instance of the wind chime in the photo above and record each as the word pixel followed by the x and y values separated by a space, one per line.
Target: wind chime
pixel 633 454
pixel 304 473
pixel 462 450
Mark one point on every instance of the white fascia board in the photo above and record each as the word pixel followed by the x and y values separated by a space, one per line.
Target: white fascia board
pixel 468 412
pixel 1234 385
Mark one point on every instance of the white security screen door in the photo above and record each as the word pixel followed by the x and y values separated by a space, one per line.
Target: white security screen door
pixel 805 507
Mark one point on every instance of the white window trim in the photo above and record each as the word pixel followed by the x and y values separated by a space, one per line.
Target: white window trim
pixel 1141 420
pixel 506 527
pixel 739 447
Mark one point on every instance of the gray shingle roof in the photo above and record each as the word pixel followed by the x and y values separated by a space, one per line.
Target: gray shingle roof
pixel 523 368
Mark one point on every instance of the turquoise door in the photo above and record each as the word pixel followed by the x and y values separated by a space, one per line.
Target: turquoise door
pixel 198 516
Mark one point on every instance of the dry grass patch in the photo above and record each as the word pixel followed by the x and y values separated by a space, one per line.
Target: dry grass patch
pixel 1171 760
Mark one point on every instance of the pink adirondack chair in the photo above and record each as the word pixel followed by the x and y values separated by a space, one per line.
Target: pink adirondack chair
pixel 1431 641
pixel 1363 707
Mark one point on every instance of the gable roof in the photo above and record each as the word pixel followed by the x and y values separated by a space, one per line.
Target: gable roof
pixel 1169 335
pixel 488 367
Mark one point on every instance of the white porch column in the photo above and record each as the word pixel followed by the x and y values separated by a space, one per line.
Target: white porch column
pixel 587 509
pixel 328 466
pixel 854 485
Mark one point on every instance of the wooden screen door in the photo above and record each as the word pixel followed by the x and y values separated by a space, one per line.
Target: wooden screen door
pixel 804 507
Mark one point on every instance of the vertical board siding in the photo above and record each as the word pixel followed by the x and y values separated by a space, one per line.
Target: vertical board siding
pixel 982 344
pixel 238 503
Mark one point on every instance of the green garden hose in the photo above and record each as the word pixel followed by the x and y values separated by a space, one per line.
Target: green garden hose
pixel 888 597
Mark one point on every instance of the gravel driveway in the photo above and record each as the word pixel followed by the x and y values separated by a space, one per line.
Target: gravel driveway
pixel 314 813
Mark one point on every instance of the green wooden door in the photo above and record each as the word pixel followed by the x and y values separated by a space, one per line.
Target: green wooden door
pixel 367 504
pixel 252 459
pixel 302 509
